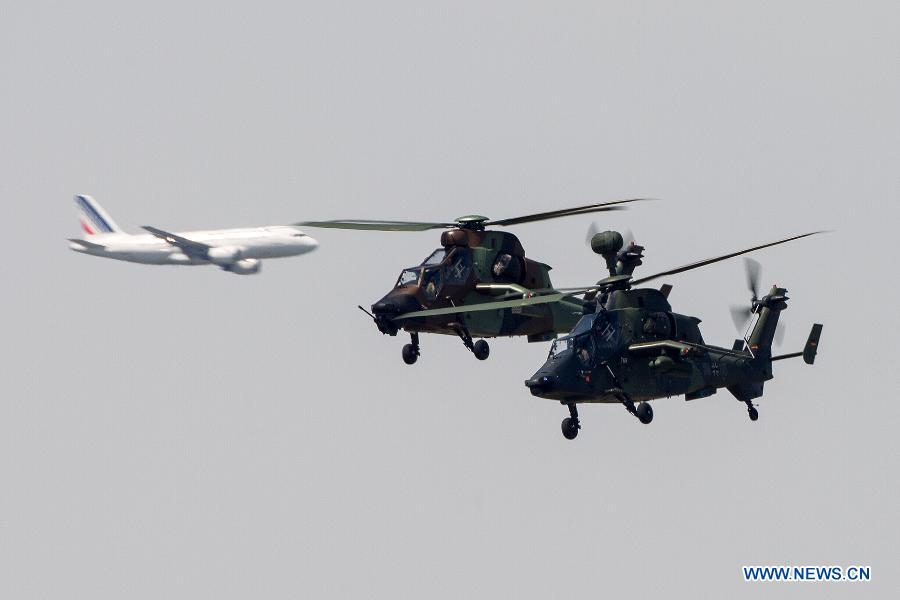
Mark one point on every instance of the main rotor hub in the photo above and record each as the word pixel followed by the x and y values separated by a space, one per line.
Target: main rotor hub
pixel 473 222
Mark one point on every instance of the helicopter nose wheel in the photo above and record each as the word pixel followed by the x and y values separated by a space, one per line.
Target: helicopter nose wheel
pixel 751 410
pixel 644 413
pixel 411 351
pixel 571 425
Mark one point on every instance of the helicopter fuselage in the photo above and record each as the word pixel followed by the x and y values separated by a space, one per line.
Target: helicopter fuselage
pixel 472 267
pixel 635 347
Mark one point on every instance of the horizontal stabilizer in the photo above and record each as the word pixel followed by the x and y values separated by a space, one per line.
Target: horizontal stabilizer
pixel 812 344
pixel 809 351
pixel 86 244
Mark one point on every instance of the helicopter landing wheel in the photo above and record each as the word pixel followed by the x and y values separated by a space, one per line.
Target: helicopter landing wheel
pixel 410 354
pixel 481 349
pixel 571 424
pixel 754 414
pixel 570 428
pixel 411 350
pixel 644 413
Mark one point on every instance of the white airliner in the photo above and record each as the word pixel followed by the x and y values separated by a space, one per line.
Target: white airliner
pixel 237 251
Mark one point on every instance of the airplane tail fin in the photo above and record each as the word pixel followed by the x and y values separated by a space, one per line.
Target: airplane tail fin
pixel 94 220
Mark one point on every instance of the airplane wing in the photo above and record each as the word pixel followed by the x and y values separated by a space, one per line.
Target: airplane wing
pixel 189 247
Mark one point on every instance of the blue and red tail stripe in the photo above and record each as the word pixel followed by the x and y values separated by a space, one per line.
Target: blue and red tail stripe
pixel 91 220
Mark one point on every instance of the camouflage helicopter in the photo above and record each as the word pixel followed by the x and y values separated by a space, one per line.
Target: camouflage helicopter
pixel 474 265
pixel 629 346
pixel 633 348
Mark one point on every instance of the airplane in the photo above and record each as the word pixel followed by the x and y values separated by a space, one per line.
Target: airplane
pixel 238 251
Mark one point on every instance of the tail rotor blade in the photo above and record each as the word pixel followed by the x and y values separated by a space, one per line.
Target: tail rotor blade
pixel 741 316
pixel 753 269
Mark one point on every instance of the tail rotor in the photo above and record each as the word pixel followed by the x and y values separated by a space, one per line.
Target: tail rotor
pixel 740 314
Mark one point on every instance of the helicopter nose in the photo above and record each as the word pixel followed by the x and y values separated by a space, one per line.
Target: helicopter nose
pixel 541 384
pixel 395 304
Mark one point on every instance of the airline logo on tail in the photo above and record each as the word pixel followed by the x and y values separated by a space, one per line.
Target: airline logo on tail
pixel 94 220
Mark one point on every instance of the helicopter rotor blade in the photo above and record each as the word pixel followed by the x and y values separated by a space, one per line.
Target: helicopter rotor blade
pixel 566 212
pixel 753 269
pixel 709 261
pixel 373 225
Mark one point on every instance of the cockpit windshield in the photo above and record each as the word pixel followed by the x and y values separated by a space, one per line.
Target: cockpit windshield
pixel 408 277
pixel 559 346
pixel 435 258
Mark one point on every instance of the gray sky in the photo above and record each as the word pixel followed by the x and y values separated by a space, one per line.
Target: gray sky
pixel 174 432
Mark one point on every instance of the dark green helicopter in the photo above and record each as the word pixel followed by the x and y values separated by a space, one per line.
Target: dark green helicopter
pixel 629 346
pixel 475 266
pixel 633 348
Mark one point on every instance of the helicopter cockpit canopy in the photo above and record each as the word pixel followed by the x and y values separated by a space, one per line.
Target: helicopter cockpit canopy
pixel 451 266
pixel 577 338
pixel 596 334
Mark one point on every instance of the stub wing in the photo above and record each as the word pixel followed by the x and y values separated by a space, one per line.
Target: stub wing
pixel 678 347
pixel 191 248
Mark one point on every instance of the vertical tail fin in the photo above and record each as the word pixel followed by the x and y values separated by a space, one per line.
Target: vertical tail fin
pixel 94 220
pixel 769 309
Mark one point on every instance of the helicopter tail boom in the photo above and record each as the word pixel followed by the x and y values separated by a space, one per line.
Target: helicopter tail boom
pixel 769 309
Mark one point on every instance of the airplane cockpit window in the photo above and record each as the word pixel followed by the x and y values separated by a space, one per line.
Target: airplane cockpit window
pixel 408 277
pixel 435 258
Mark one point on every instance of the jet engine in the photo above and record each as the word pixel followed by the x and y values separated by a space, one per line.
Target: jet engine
pixel 246 266
pixel 225 255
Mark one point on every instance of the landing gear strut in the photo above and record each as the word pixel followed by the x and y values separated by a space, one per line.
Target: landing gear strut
pixel 751 410
pixel 643 412
pixel 480 349
pixel 411 351
pixel 571 424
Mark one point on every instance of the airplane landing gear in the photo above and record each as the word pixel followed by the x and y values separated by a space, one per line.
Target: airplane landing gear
pixel 571 425
pixel 411 351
